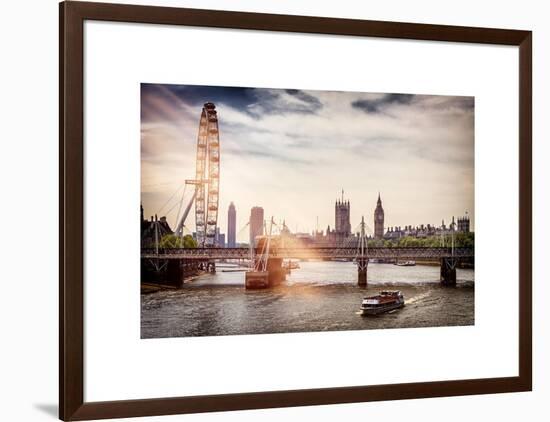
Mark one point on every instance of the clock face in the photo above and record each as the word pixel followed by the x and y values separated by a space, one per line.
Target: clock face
pixel 380 217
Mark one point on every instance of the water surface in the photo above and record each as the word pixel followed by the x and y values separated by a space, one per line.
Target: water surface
pixel 320 296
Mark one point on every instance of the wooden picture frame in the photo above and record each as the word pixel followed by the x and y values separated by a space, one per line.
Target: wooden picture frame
pixel 71 263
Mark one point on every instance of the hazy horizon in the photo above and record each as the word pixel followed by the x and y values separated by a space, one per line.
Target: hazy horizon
pixel 293 151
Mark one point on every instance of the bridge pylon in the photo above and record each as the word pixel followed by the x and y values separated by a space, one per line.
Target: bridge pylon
pixel 268 271
pixel 449 264
pixel 362 256
pixel 448 271
pixel 362 265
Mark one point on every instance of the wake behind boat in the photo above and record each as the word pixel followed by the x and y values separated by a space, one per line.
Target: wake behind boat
pixel 386 301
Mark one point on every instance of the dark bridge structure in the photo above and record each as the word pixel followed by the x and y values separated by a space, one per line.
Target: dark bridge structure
pixel 311 253
pixel 273 272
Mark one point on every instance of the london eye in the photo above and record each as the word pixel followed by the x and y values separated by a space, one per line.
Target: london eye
pixel 207 180
pixel 208 170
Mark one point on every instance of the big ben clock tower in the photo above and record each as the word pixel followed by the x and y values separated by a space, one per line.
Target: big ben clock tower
pixel 379 219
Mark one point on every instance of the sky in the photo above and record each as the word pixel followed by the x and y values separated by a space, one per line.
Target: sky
pixel 293 151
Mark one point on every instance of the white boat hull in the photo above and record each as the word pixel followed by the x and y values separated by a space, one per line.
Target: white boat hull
pixel 381 309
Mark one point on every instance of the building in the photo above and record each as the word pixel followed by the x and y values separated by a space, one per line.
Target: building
pixel 379 219
pixel 231 226
pixel 153 230
pixel 342 224
pixel 219 239
pixel 256 223
pixel 423 231
pixel 463 224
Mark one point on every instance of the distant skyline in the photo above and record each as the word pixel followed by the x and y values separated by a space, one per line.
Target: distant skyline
pixel 292 152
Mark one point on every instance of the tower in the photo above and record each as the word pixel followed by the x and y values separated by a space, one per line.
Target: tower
pixel 463 224
pixel 219 240
pixel 379 219
pixel 256 224
pixel 342 217
pixel 231 226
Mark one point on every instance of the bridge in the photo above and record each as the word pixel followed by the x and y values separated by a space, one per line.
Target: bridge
pixel 382 253
pixel 268 269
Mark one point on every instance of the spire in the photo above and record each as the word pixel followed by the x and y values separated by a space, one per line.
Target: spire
pixel 379 202
pixel 342 195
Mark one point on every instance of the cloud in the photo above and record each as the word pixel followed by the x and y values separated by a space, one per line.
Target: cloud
pixel 377 105
pixel 390 103
pixel 268 154
pixel 310 102
pixel 161 101
pixel 291 151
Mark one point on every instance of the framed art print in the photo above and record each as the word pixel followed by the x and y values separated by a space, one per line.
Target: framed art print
pixel 271 210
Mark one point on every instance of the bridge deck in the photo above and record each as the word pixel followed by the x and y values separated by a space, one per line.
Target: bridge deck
pixel 310 253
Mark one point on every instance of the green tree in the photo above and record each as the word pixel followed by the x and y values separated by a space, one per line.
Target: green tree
pixel 189 242
pixel 464 240
pixel 171 241
pixel 409 242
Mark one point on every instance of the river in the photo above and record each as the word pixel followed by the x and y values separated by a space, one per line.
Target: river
pixel 319 296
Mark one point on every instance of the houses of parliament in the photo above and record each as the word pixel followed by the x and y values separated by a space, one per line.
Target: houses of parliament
pixel 342 226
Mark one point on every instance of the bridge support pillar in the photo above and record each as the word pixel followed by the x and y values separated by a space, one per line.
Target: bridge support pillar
pixel 362 264
pixel 277 273
pixel 256 279
pixel 211 267
pixel 172 272
pixel 448 271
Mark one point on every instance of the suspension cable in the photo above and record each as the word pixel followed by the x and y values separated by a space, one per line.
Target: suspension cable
pixel 169 199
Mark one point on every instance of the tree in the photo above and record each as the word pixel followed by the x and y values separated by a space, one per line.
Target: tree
pixel 171 241
pixel 189 242
pixel 464 240
pixel 409 242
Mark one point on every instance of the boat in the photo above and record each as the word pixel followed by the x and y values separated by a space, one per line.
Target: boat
pixel 406 264
pixel 291 265
pixel 386 301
